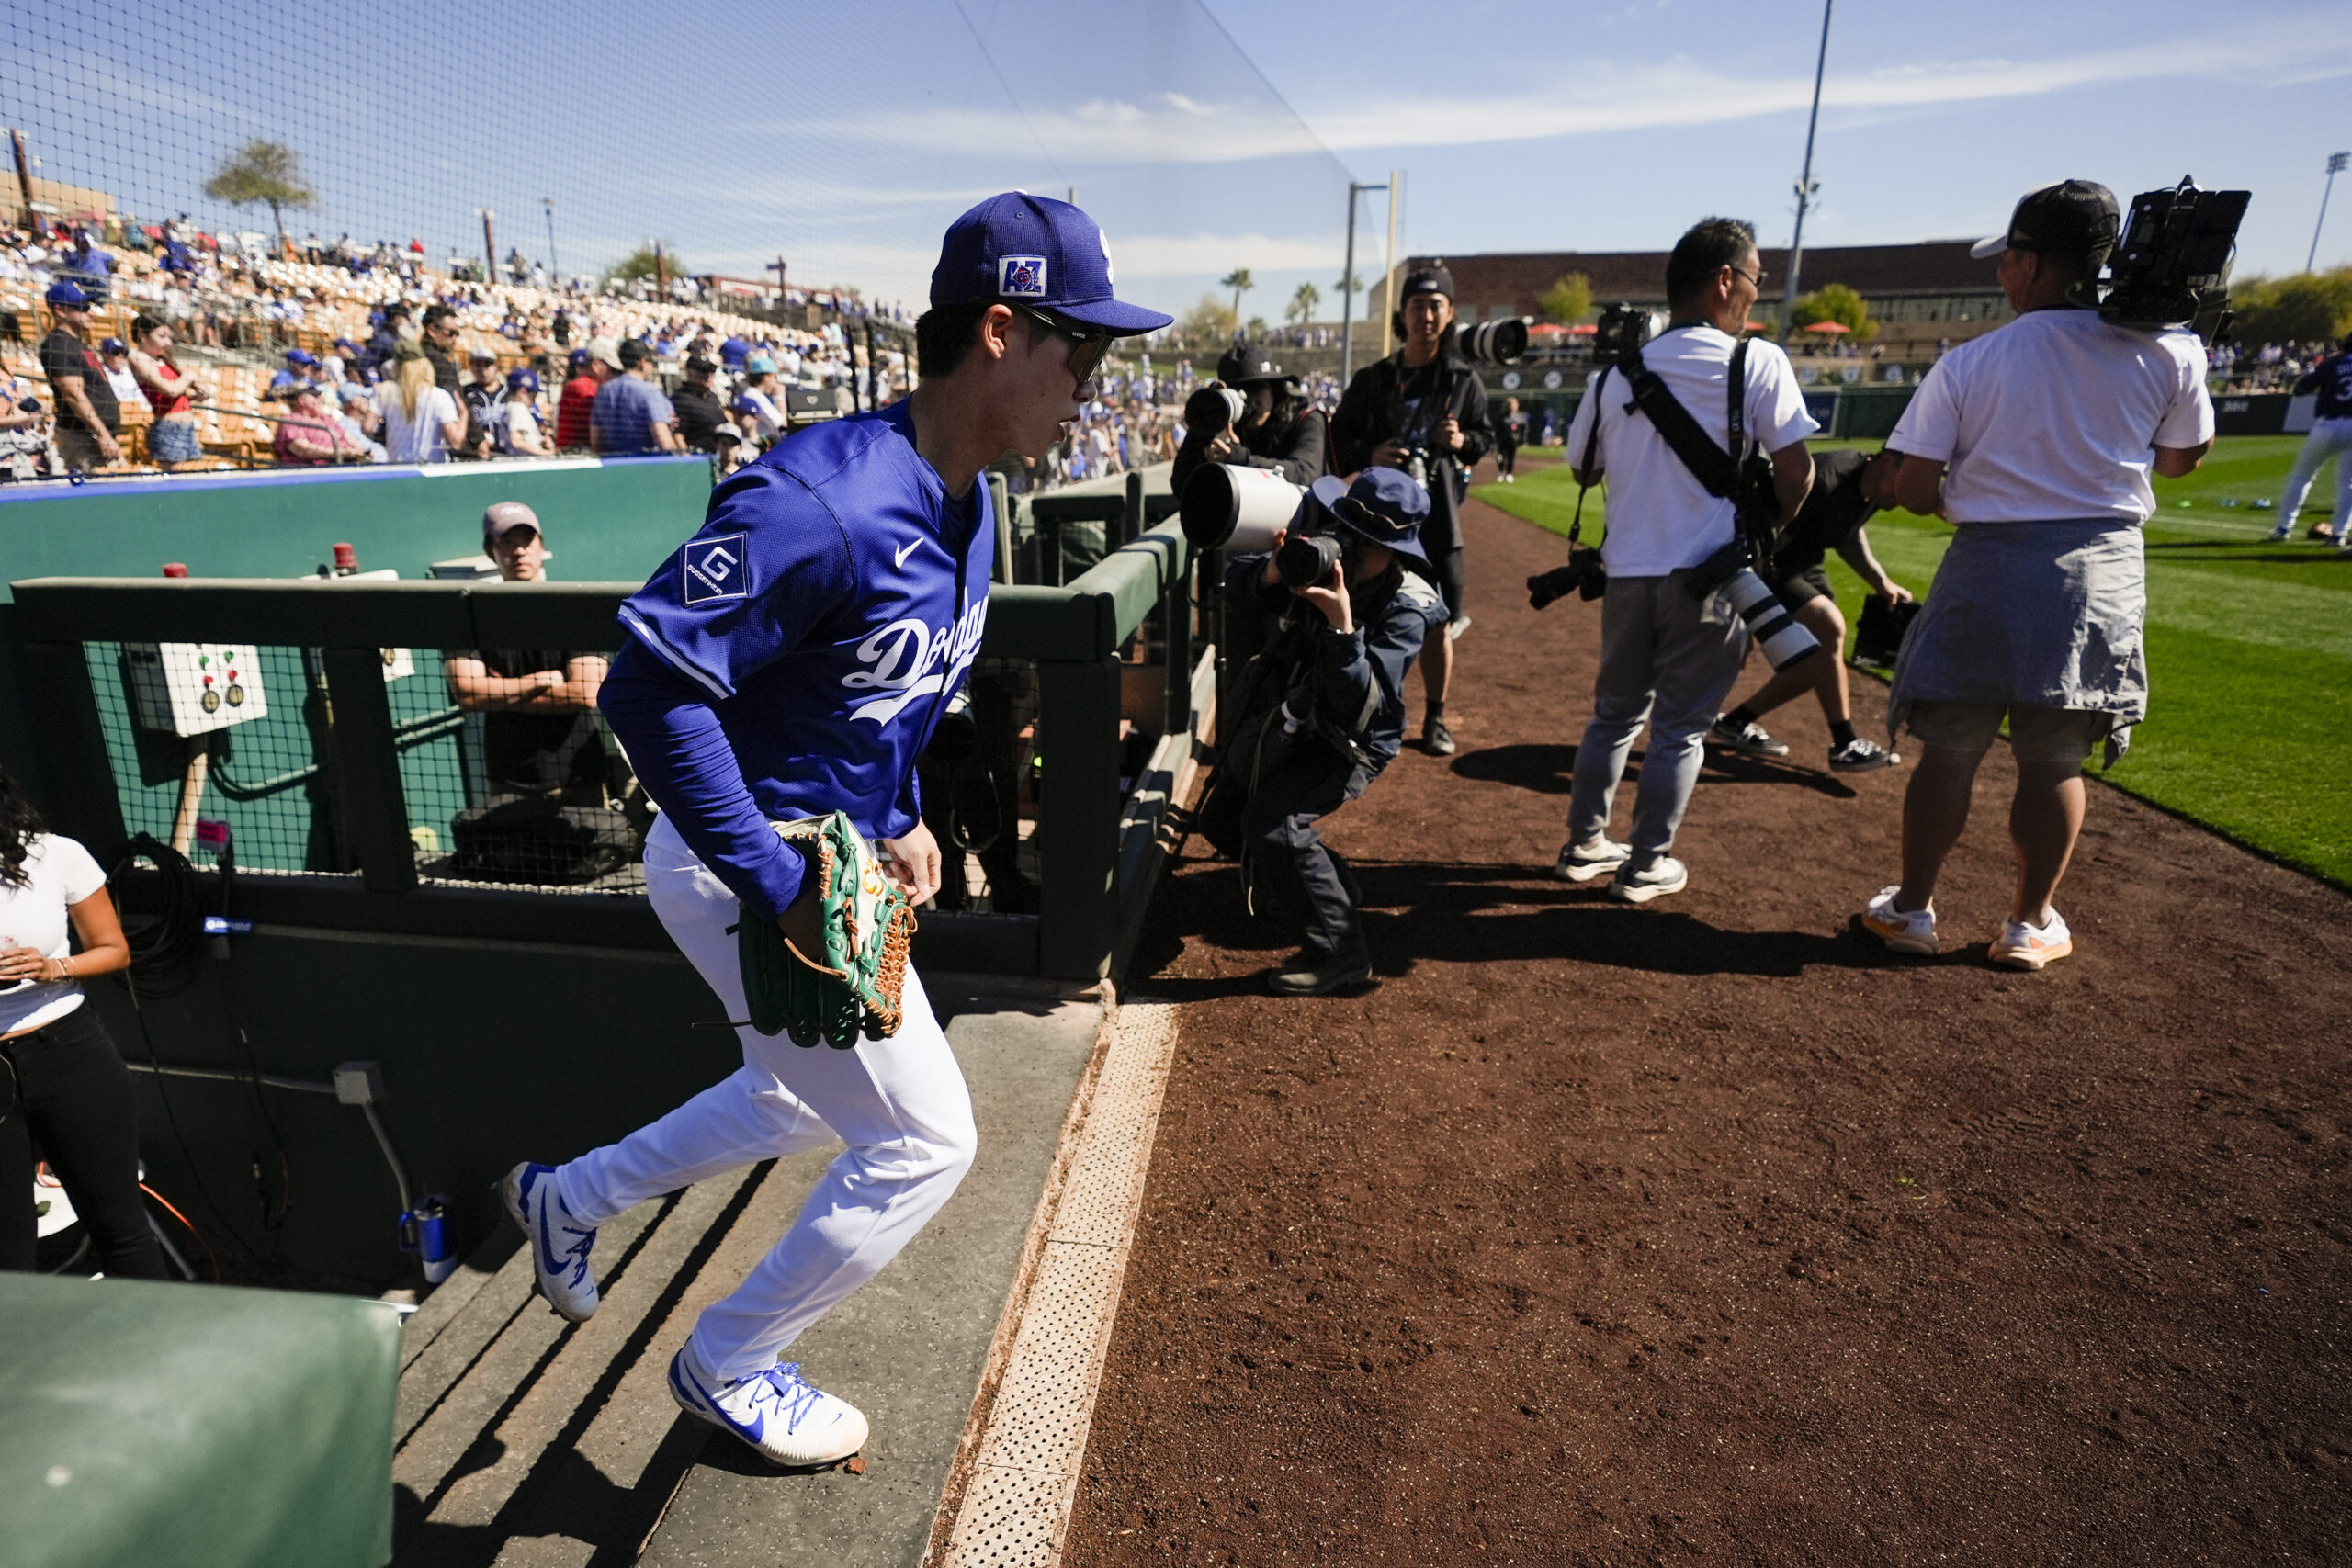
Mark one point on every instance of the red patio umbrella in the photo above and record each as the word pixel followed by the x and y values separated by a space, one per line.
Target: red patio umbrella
pixel 1832 328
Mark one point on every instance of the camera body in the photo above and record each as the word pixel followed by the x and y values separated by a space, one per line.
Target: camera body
pixel 1213 410
pixel 1584 576
pixel 2171 263
pixel 1306 559
pixel 1622 329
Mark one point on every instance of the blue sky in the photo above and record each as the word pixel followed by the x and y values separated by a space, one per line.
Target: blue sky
pixel 1205 134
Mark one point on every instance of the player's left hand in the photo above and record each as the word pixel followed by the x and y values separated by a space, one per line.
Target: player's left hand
pixel 1449 435
pixel 913 862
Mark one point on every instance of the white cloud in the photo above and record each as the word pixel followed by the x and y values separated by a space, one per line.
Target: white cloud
pixel 1600 96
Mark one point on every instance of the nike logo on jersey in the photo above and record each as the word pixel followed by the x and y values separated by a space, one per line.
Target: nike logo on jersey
pixel 902 555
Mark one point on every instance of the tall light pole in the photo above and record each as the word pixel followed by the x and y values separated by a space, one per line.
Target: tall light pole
pixel 555 272
pixel 1806 188
pixel 1347 290
pixel 489 245
pixel 2335 162
pixel 1388 276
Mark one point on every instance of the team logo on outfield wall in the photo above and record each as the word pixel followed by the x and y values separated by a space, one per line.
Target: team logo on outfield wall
pixel 713 569
pixel 1021 277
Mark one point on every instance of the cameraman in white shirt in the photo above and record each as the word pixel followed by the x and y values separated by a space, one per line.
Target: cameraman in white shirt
pixel 1668 656
pixel 2036 441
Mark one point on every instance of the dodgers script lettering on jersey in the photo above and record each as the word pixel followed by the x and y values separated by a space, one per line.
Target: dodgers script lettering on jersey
pixel 830 606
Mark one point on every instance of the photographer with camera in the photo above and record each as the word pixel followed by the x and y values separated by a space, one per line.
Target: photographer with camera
pixel 1323 627
pixel 1423 410
pixel 2035 441
pixel 1847 489
pixel 1680 600
pixel 1253 415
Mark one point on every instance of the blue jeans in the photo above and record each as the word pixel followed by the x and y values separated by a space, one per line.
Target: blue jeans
pixel 173 441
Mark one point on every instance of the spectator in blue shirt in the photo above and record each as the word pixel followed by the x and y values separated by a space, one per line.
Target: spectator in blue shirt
pixel 301 369
pixel 630 418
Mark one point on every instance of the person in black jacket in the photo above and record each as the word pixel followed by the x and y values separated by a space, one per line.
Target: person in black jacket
pixel 1423 403
pixel 1277 431
pixel 1318 707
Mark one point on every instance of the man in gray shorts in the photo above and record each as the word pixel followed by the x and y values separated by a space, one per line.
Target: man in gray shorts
pixel 2036 441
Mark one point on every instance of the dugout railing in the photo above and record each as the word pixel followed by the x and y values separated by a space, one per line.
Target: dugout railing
pixel 365 771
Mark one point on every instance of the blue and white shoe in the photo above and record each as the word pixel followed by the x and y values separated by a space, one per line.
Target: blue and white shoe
pixel 788 1420
pixel 559 1243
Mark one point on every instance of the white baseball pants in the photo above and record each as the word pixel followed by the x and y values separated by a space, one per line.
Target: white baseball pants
pixel 2329 438
pixel 899 1104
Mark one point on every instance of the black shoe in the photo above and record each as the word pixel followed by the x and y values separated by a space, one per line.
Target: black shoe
pixel 1436 739
pixel 1315 975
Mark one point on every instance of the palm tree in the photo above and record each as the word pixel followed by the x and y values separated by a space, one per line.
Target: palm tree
pixel 1303 304
pixel 267 171
pixel 1240 282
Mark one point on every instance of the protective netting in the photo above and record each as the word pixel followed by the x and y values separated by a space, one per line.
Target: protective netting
pixel 838 141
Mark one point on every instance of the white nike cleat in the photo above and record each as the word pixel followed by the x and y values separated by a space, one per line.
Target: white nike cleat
pixel 789 1421
pixel 559 1243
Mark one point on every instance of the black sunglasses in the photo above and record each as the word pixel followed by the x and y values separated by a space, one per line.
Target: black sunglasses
pixel 1092 344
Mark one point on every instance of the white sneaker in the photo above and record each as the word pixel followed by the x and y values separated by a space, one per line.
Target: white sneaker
pixel 1665 874
pixel 2021 946
pixel 1913 932
pixel 1456 626
pixel 2283 532
pixel 788 1420
pixel 1860 756
pixel 1597 856
pixel 559 1243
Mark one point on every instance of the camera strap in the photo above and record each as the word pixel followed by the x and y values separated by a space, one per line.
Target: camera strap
pixel 1716 470
pixel 1591 445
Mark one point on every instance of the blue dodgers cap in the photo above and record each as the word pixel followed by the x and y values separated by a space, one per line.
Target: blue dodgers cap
pixel 1386 507
pixel 68 294
pixel 1018 249
pixel 300 356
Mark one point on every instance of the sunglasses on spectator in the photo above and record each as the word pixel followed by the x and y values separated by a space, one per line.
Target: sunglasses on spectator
pixel 1089 345
pixel 1755 279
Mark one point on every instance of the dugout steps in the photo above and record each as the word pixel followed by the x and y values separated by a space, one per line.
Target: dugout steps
pixel 523 1440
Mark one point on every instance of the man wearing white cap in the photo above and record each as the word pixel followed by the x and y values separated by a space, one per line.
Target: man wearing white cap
pixel 2036 441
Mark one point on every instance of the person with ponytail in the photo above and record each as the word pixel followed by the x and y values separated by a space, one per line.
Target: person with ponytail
pixel 65 1096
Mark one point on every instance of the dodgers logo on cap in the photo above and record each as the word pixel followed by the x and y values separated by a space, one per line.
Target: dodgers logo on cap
pixel 713 569
pixel 1021 277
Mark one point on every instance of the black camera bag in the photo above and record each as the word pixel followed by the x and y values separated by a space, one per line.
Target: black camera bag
pixel 538 839
pixel 1878 636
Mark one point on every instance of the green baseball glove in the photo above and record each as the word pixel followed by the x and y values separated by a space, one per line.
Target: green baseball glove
pixel 853 985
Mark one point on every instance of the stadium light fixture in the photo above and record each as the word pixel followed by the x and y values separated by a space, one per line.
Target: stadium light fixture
pixel 2335 163
pixel 1807 187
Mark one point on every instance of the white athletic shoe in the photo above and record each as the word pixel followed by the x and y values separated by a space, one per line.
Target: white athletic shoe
pixel 1913 932
pixel 2021 946
pixel 559 1243
pixel 2283 532
pixel 785 1418
pixel 1456 626
pixel 1598 857
pixel 1665 874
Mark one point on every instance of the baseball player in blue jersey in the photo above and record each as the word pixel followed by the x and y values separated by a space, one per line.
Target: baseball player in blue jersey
pixel 790 661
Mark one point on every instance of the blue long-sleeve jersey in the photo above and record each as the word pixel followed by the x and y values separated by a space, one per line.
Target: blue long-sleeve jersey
pixel 793 657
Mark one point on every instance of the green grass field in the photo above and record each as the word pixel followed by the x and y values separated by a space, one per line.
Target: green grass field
pixel 2249 647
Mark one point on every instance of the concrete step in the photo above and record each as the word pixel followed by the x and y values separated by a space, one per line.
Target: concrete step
pixel 527 1442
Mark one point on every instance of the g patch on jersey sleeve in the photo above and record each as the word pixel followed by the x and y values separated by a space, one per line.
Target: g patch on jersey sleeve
pixel 714 569
pixel 1021 277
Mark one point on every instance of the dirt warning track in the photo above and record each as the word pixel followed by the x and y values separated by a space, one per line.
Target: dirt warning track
pixel 1709 1232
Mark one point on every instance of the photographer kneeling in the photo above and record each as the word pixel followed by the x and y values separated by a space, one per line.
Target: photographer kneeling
pixel 1324 628
pixel 2035 441
pixel 1671 641
pixel 1847 489
pixel 1274 428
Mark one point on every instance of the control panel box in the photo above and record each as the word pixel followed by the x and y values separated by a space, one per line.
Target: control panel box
pixel 194 688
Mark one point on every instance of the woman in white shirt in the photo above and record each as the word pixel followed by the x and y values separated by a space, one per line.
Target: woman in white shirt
pixel 62 1087
pixel 422 423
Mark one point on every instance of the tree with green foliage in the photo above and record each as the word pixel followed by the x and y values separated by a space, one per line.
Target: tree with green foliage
pixel 1301 309
pixel 265 172
pixel 1568 300
pixel 1210 320
pixel 1836 303
pixel 2307 307
pixel 1240 282
pixel 639 263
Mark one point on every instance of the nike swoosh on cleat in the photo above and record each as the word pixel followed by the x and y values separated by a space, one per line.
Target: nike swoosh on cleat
pixel 911 549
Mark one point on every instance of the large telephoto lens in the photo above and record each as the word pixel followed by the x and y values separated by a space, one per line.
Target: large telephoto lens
pixel 1212 409
pixel 1492 342
pixel 1229 507
pixel 1781 636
